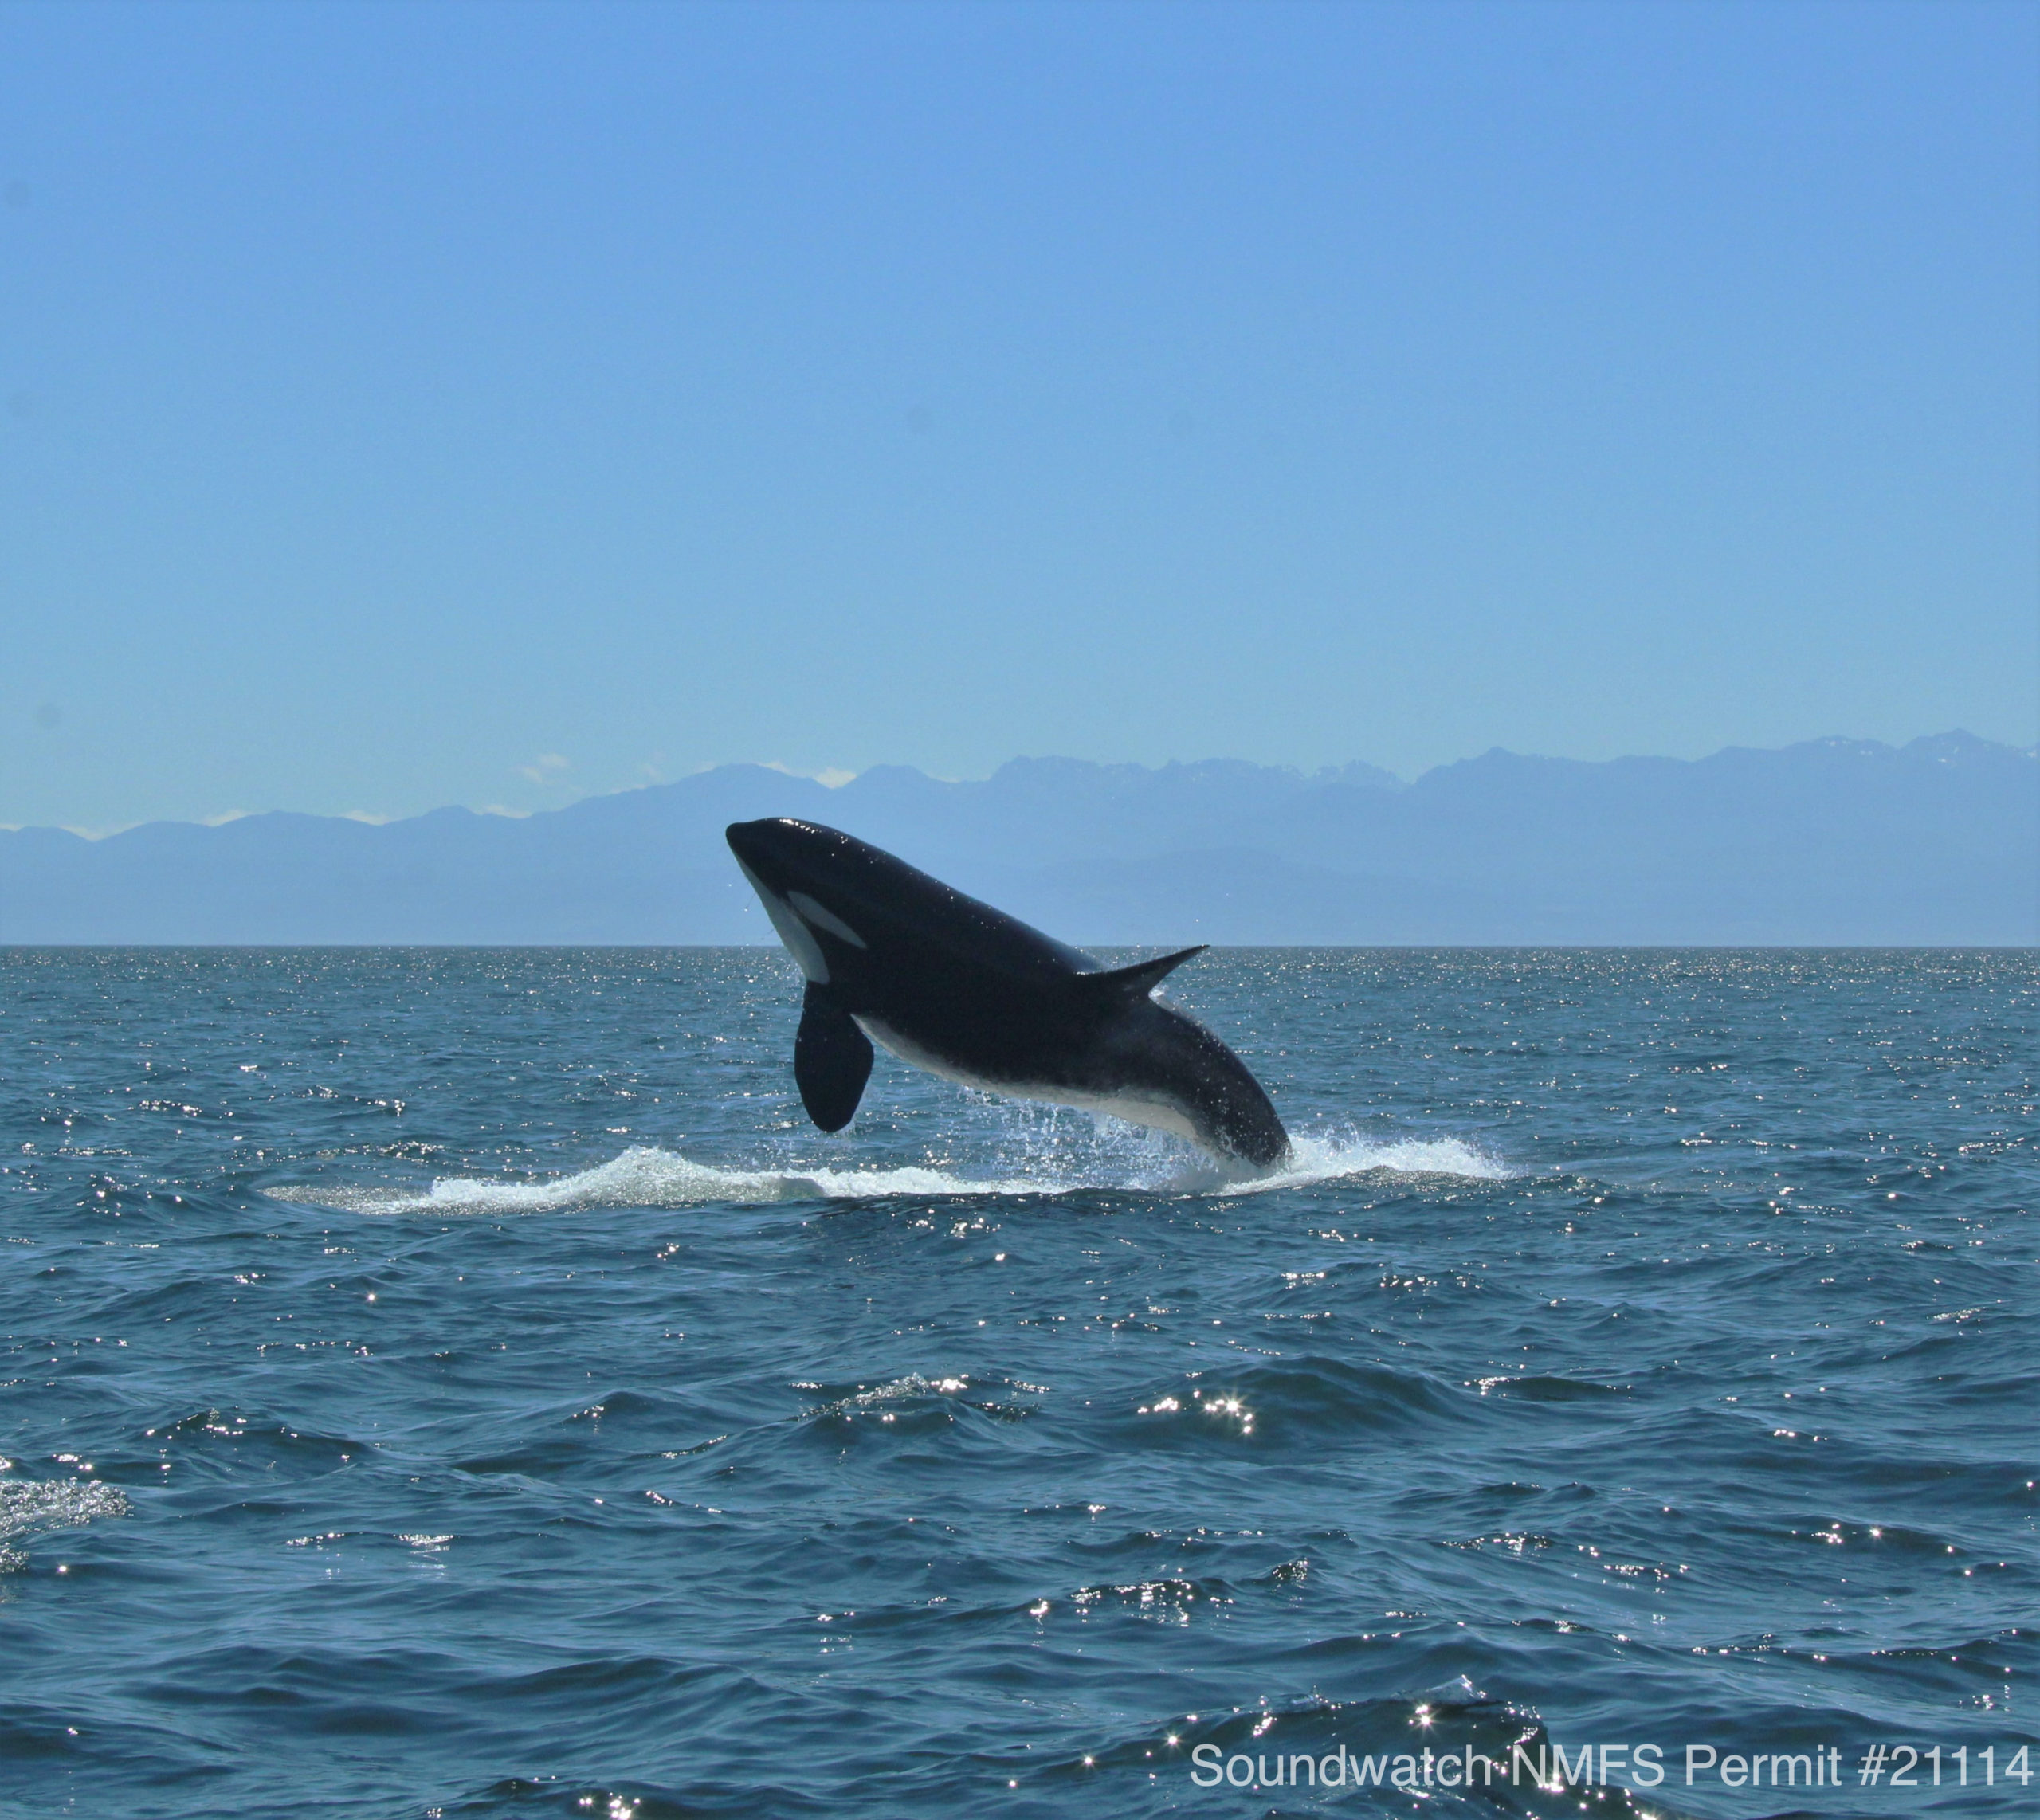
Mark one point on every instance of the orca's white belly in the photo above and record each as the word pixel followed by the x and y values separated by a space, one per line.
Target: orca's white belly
pixel 1157 1115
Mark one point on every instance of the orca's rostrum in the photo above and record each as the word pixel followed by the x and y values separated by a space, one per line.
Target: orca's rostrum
pixel 976 996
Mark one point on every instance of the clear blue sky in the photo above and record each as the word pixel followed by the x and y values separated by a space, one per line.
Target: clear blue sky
pixel 398 400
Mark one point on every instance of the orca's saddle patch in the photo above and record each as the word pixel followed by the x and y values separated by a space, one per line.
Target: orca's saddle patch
pixel 832 1060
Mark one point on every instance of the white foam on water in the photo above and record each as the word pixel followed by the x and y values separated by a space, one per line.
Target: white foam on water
pixel 1326 1158
pixel 646 1177
pixel 899 1390
pixel 28 1507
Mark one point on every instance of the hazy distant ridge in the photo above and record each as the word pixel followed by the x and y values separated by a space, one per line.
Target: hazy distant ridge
pixel 1833 841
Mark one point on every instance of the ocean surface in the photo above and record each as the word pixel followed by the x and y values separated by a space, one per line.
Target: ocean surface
pixel 460 1382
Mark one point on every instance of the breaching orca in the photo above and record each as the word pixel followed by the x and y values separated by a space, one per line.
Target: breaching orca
pixel 975 996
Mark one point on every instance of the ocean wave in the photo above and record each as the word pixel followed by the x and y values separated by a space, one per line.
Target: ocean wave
pixel 644 1176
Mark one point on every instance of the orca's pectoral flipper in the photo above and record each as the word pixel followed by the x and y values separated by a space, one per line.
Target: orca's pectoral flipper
pixel 1141 978
pixel 832 1060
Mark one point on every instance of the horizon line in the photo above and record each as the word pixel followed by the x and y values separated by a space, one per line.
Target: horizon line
pixel 833 778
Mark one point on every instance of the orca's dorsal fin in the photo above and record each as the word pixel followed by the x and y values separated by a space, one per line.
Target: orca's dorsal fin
pixel 1141 978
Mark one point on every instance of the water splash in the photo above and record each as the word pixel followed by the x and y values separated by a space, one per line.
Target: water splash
pixel 644 1176
pixel 28 1507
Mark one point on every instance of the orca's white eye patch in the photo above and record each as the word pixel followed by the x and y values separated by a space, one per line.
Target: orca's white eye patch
pixel 824 919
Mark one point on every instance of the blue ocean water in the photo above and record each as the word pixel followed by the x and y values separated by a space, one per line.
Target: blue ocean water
pixel 460 1382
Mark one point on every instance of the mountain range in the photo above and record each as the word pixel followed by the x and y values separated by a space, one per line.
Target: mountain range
pixel 1833 842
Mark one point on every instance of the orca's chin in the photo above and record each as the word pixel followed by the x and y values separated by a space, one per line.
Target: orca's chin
pixel 786 920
